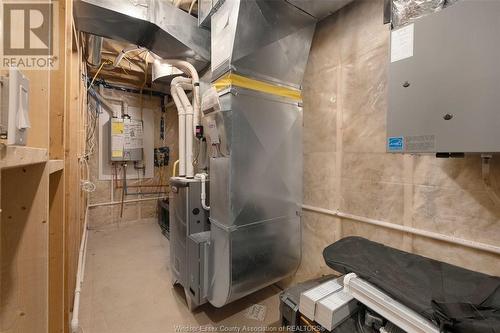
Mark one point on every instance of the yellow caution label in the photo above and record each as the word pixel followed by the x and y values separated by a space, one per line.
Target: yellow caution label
pixel 117 153
pixel 117 127
pixel 232 79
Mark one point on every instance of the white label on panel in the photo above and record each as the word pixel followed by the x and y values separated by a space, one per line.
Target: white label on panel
pixel 402 43
pixel 133 134
pixel 213 132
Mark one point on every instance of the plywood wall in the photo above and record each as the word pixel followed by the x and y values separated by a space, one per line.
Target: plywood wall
pixel 75 199
pixel 42 212
pixel 346 167
pixel 24 249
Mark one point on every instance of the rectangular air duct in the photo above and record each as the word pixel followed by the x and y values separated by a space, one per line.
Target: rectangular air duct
pixel 260 50
pixel 156 25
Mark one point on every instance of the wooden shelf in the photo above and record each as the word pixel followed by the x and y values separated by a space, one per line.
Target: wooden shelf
pixel 55 166
pixel 16 156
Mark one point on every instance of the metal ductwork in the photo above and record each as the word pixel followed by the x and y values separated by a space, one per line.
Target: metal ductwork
pixel 265 40
pixel 94 48
pixel 254 130
pixel 319 8
pixel 154 24
pixel 256 181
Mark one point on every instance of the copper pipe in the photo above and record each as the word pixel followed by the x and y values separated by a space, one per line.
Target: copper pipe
pixel 159 185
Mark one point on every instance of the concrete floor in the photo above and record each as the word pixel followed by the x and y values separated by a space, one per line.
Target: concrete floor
pixel 127 289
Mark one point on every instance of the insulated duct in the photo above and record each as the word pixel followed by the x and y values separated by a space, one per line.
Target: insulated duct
pixel 94 48
pixel 156 25
pixel 264 40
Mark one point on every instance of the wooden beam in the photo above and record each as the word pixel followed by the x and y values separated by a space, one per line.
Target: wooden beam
pixel 24 244
pixel 55 166
pixel 16 156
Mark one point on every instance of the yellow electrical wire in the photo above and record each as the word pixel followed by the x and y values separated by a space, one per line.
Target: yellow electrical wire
pixel 105 62
pixel 174 171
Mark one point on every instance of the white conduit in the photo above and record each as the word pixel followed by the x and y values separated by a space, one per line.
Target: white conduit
pixel 188 112
pixel 189 117
pixel 111 203
pixel 188 69
pixel 182 125
pixel 203 196
pixel 79 276
pixel 406 229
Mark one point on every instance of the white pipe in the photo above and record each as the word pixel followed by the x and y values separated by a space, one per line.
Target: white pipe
pixel 409 230
pixel 111 203
pixel 174 90
pixel 203 178
pixel 79 276
pixel 182 133
pixel 189 69
pixel 192 112
pixel 188 111
pixel 395 312
pixel 126 50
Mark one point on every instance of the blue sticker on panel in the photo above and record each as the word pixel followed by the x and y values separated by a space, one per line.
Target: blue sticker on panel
pixel 395 143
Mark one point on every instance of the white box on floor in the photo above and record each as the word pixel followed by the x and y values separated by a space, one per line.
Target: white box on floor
pixel 310 298
pixel 332 310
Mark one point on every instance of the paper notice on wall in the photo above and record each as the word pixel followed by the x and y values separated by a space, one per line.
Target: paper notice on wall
pixel 117 127
pixel 133 134
pixel 213 132
pixel 117 145
pixel 402 43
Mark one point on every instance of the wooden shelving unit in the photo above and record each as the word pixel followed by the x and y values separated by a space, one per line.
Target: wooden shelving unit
pixel 17 156
pixel 41 204
pixel 24 229
pixel 55 166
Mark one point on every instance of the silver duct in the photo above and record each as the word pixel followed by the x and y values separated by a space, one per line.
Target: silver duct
pixel 319 8
pixel 94 47
pixel 154 24
pixel 256 178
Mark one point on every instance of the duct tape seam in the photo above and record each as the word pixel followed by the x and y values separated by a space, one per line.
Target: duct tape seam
pixel 232 79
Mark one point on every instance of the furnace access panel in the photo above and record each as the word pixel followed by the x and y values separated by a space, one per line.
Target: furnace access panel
pixel 444 81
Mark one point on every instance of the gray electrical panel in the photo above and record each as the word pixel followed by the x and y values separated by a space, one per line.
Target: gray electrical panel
pixel 444 81
pixel 14 104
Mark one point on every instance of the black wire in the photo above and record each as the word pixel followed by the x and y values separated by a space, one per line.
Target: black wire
pixel 359 323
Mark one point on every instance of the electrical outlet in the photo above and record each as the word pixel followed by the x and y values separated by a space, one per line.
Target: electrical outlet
pixel 162 155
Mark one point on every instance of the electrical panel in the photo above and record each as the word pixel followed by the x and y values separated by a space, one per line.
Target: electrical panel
pixel 443 82
pixel 126 139
pixel 162 155
pixel 14 116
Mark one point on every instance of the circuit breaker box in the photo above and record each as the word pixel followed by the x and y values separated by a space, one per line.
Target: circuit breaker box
pixel 444 79
pixel 126 142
